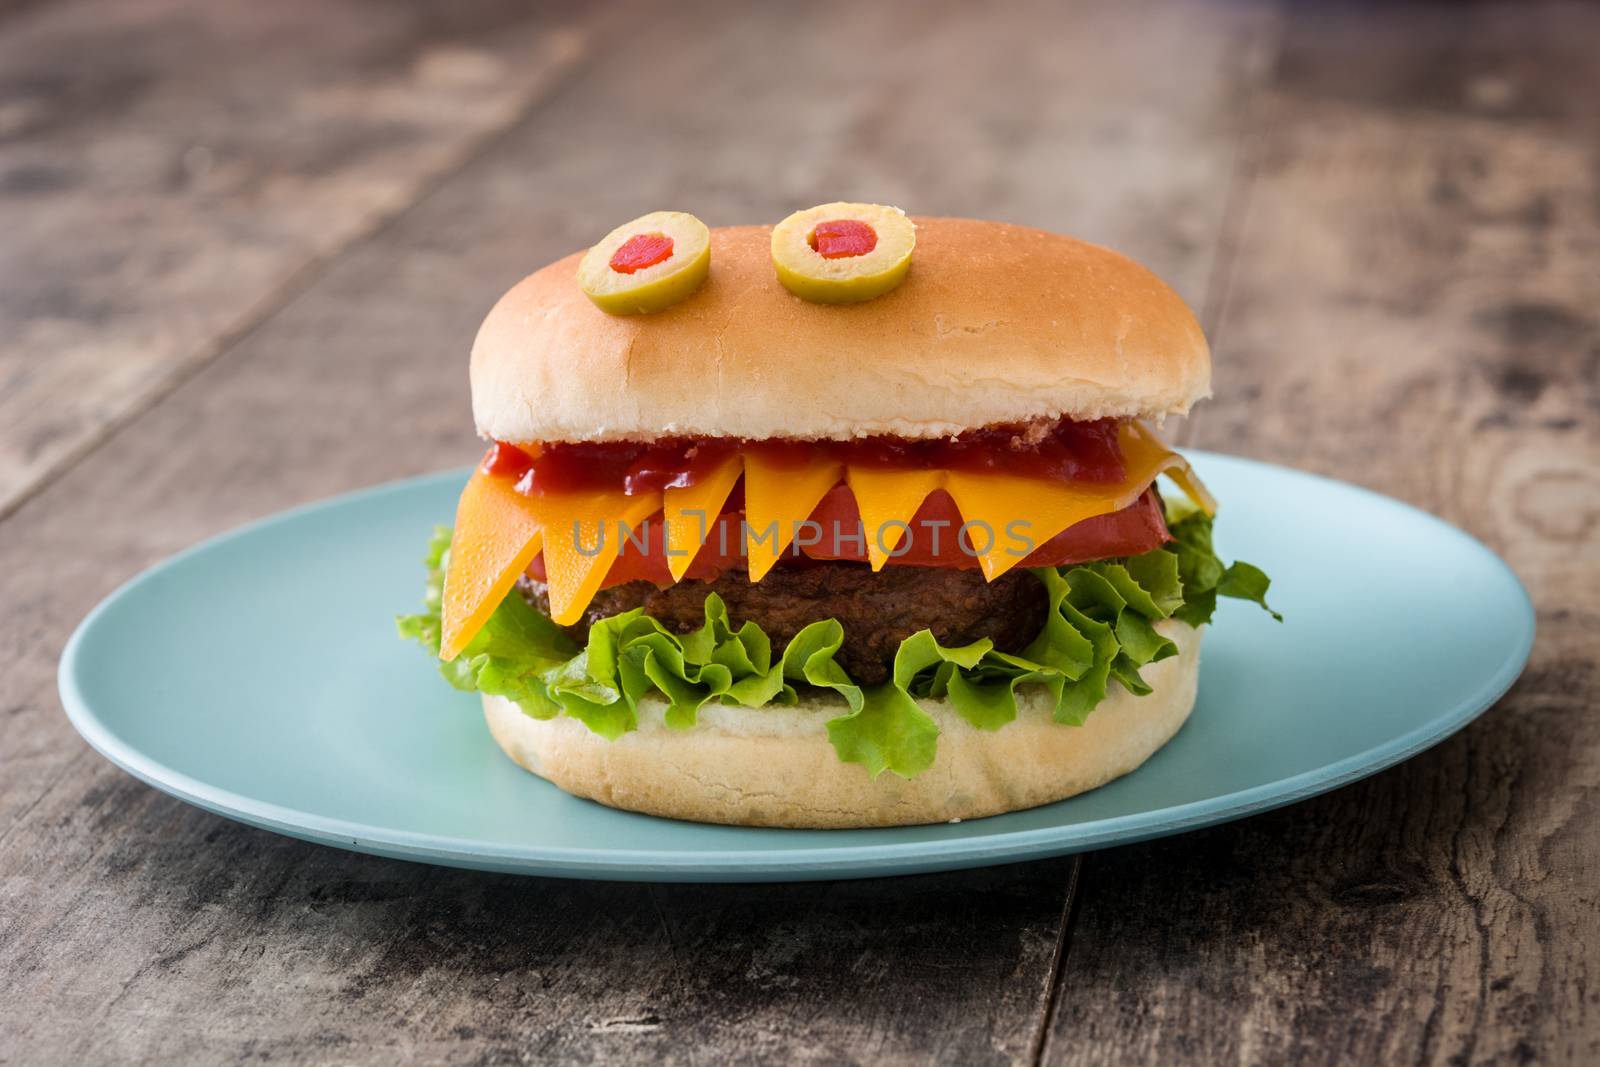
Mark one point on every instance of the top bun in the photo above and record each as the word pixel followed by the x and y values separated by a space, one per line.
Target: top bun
pixel 994 324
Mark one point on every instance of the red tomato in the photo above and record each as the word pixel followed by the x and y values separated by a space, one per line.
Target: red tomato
pixel 932 540
pixel 722 550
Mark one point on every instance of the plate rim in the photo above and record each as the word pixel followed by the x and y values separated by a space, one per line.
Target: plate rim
pixel 808 863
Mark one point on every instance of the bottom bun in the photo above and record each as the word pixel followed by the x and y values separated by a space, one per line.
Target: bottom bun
pixel 774 766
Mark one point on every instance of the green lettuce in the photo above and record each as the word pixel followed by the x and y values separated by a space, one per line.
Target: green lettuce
pixel 1099 630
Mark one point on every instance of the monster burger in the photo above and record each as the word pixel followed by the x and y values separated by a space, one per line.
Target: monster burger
pixel 851 521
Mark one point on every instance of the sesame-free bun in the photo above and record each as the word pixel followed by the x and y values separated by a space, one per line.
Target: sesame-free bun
pixel 773 766
pixel 995 324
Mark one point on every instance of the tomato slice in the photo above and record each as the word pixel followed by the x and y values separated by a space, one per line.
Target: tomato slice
pixel 649 564
pixel 931 542
pixel 932 539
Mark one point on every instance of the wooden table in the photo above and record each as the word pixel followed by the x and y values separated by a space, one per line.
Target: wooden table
pixel 245 247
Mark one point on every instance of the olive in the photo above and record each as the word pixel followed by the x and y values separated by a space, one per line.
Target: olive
pixel 648 264
pixel 843 253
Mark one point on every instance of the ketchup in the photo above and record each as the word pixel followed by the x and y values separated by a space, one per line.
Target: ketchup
pixel 1067 451
pixel 506 461
pixel 674 466
pixel 572 467
pixel 1064 451
pixel 673 463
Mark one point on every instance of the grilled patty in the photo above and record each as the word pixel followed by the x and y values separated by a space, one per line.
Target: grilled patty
pixel 877 611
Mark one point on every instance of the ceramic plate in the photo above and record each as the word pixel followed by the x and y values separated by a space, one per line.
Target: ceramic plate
pixel 258 676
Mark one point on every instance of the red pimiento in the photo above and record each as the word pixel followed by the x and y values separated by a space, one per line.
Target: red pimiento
pixel 640 251
pixel 841 238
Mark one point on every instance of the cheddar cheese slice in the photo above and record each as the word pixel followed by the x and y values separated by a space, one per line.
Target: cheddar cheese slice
pixel 690 512
pixel 1184 477
pixel 583 533
pixel 1143 439
pixel 779 494
pixel 1003 513
pixel 887 499
pixel 497 535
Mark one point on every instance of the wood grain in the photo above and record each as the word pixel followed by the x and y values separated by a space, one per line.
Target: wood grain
pixel 134 928
pixel 1399 274
pixel 1412 307
pixel 170 172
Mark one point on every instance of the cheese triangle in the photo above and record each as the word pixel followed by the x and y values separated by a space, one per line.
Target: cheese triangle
pixel 888 498
pixel 1006 516
pixel 497 535
pixel 778 496
pixel 690 512
pixel 1143 439
pixel 583 533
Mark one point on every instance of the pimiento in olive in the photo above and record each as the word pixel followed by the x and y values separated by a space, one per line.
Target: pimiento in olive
pixel 648 264
pixel 843 253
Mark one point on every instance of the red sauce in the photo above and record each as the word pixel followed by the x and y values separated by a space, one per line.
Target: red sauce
pixel 640 251
pixel 792 455
pixel 674 466
pixel 841 238
pixel 506 461
pixel 1066 451
pixel 573 467
pixel 671 463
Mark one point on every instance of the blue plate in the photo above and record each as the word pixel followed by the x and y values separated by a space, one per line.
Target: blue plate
pixel 258 676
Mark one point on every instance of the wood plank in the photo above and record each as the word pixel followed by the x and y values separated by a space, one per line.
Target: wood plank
pixel 138 928
pixel 1412 308
pixel 187 939
pixel 170 171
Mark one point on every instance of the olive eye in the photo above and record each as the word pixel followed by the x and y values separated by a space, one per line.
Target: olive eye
pixel 843 253
pixel 648 264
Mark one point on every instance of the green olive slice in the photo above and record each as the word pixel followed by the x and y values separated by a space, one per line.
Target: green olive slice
pixel 648 264
pixel 843 253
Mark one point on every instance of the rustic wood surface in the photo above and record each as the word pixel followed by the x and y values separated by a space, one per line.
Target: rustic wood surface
pixel 246 246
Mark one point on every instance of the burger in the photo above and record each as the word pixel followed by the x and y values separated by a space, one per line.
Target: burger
pixel 849 521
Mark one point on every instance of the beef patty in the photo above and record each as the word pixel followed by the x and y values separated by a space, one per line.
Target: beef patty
pixel 877 611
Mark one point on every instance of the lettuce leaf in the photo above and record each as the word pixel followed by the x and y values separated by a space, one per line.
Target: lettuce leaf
pixel 1099 630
